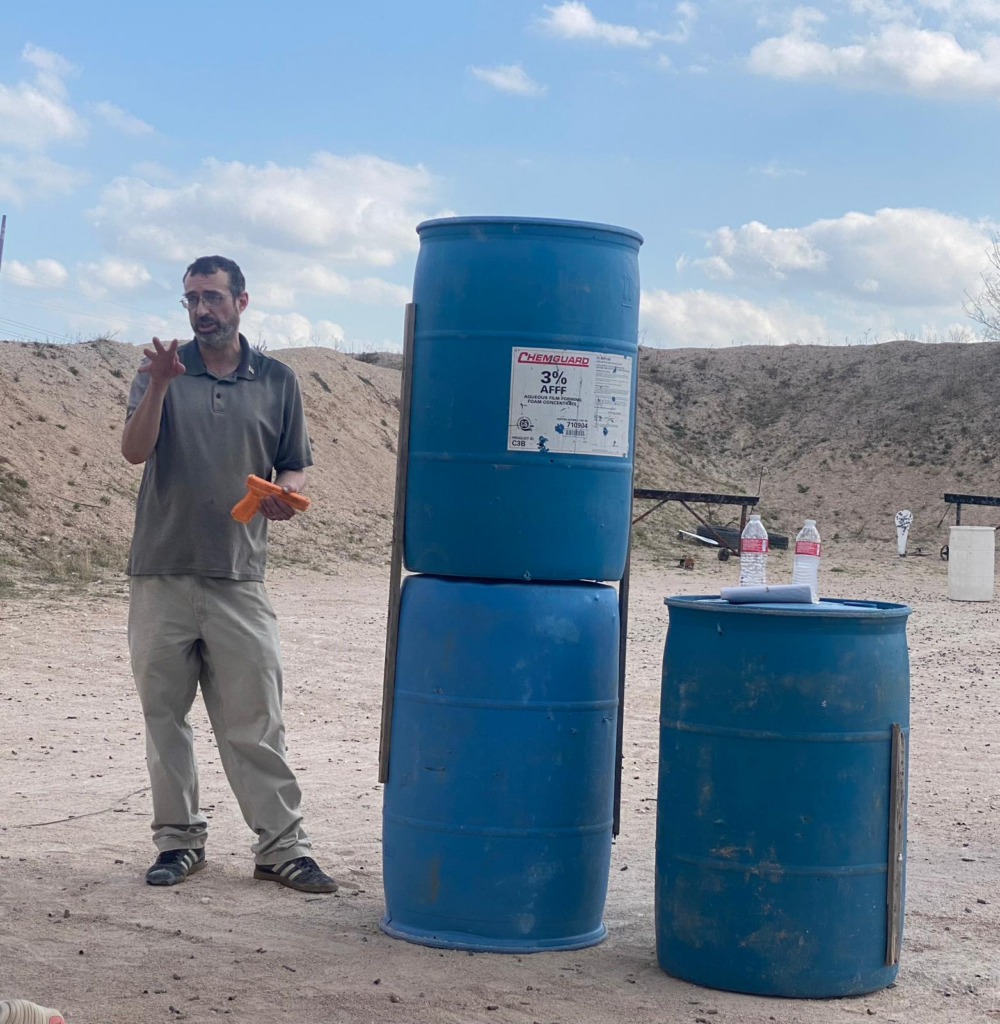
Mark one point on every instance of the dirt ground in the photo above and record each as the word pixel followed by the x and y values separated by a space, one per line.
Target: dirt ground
pixel 80 931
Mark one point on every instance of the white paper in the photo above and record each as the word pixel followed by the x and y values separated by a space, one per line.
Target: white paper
pixel 576 403
pixel 787 593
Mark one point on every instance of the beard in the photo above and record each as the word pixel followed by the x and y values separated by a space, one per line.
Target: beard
pixel 221 333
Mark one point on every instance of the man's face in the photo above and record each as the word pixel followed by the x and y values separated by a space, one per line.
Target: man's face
pixel 214 313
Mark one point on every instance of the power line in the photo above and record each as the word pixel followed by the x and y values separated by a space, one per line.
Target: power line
pixel 70 291
pixel 19 324
pixel 14 336
pixel 34 327
pixel 80 312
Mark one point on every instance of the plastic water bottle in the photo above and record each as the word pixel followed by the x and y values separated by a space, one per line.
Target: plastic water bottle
pixel 805 568
pixel 753 554
pixel 20 1011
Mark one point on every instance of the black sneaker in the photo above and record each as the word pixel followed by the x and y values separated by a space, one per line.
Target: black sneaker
pixel 303 874
pixel 173 866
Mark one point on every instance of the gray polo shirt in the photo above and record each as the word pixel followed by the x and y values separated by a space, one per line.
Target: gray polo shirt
pixel 214 432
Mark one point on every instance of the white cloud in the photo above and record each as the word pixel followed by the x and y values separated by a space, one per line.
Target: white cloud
pixel 283 282
pixel 34 176
pixel 776 169
pixel 121 120
pixel 902 257
pixel 510 78
pixel 316 279
pixel 967 10
pixel 43 273
pixel 687 14
pixel 574 20
pixel 953 13
pixel 294 230
pixel 882 10
pixel 50 68
pixel 289 330
pixel 714 267
pixel 112 276
pixel 34 115
pixel 897 57
pixel 756 248
pixel 359 209
pixel 700 318
pixel 150 170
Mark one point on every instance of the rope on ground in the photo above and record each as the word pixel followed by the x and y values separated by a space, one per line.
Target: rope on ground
pixel 89 814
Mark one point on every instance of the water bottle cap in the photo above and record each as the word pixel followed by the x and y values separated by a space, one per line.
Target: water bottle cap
pixel 810 522
pixel 755 518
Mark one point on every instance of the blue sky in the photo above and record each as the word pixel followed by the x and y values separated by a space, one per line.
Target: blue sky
pixel 800 173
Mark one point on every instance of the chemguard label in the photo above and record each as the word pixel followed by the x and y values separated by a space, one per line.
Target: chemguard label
pixel 577 403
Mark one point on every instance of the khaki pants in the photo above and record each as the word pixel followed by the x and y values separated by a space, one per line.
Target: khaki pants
pixel 183 630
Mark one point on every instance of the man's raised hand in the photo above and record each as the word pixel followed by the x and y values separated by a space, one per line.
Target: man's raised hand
pixel 164 363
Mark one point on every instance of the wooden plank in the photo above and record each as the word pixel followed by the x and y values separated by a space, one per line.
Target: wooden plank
pixel 623 588
pixel 696 496
pixel 396 557
pixel 894 877
pixel 972 499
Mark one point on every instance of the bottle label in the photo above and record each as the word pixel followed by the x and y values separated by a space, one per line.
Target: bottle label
pixel 753 545
pixel 808 547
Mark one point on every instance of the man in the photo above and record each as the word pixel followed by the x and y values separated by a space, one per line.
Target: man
pixel 202 417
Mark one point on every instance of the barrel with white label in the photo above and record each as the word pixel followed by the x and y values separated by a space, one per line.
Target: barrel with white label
pixel 522 409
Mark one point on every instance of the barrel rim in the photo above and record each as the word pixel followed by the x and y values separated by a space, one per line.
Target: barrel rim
pixel 444 939
pixel 836 608
pixel 555 222
pixel 535 586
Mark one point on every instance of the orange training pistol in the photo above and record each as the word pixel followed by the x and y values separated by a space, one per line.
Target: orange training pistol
pixel 246 508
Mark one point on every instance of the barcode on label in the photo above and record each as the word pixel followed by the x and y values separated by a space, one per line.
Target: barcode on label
pixel 575 432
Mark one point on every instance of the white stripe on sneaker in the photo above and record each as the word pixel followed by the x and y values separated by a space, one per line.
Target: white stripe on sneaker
pixel 295 874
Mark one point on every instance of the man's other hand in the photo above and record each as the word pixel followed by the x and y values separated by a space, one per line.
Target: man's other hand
pixel 273 508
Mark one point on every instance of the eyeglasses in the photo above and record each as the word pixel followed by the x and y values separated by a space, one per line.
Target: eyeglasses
pixel 211 299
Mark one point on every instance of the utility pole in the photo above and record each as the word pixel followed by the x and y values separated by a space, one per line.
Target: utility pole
pixel 3 231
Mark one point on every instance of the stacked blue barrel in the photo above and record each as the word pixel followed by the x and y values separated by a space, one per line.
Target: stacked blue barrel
pixel 498 805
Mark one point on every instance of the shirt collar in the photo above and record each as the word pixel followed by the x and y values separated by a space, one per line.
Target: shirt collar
pixel 194 365
pixel 248 360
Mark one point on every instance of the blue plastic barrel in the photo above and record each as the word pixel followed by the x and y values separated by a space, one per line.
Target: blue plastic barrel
pixel 521 424
pixel 497 813
pixel 773 811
